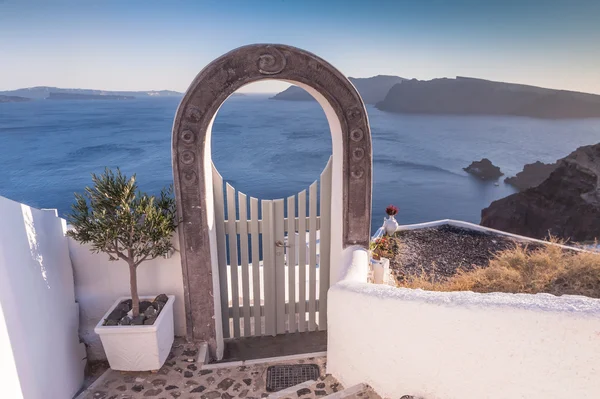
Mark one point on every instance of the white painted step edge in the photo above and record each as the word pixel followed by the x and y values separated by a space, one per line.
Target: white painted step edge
pixel 344 393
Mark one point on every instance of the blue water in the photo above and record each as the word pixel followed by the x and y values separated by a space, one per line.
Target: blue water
pixel 273 149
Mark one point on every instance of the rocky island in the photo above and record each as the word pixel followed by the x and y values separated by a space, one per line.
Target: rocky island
pixel 532 175
pixel 484 169
pixel 372 90
pixel 13 99
pixel 566 204
pixel 469 96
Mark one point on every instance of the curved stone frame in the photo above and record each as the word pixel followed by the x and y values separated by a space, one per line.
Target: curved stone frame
pixel 192 163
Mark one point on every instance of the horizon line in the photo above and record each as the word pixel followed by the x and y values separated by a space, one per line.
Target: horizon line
pixel 349 77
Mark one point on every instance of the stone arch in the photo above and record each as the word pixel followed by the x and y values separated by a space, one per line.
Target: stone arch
pixel 191 151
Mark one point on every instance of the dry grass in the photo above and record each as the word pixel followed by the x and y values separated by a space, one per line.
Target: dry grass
pixel 549 269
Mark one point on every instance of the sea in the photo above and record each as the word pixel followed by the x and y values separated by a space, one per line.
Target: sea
pixel 273 149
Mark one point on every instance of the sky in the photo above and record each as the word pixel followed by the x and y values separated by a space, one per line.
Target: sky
pixel 154 45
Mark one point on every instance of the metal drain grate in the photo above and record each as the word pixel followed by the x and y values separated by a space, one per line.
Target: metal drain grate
pixel 287 375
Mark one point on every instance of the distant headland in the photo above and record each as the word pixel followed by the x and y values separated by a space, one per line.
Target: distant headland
pixel 77 96
pixel 372 90
pixel 469 96
pixel 13 99
pixel 465 96
pixel 56 93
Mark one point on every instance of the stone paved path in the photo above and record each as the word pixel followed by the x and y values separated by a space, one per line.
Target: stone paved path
pixel 183 377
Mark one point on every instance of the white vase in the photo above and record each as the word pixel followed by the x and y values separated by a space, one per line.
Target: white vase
pixel 138 348
pixel 390 225
pixel 381 268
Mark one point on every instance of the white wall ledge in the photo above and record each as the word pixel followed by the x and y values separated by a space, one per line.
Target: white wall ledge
pixel 535 302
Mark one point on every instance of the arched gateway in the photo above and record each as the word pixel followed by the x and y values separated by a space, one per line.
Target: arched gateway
pixel 200 209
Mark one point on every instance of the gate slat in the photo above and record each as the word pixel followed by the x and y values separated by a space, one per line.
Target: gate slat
pixel 312 270
pixel 243 207
pixel 325 242
pixel 256 298
pixel 268 267
pixel 302 260
pixel 233 259
pixel 291 262
pixel 221 248
pixel 279 265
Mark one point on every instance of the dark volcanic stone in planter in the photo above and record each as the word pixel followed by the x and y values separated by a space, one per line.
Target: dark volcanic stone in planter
pixel 124 306
pixel 150 312
pixel 117 314
pixel 161 298
pixel 158 305
pixel 125 321
pixel 111 322
pixel 149 321
pixel 138 321
pixel 144 305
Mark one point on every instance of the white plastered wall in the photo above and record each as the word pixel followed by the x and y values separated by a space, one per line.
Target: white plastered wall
pixel 40 352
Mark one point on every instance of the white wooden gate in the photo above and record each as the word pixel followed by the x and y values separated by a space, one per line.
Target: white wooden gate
pixel 273 259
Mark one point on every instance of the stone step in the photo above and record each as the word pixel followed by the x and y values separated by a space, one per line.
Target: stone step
pixel 358 391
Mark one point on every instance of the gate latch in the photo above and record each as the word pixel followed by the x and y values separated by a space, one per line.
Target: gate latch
pixel 280 244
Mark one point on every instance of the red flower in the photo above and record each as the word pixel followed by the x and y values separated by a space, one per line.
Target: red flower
pixel 391 210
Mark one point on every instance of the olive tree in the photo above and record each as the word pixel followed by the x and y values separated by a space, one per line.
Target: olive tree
pixel 117 219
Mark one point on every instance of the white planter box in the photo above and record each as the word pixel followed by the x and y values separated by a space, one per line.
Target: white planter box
pixel 138 348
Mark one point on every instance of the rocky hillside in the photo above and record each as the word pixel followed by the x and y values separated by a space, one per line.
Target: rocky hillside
pixel 567 204
pixel 532 175
pixel 468 96
pixel 372 90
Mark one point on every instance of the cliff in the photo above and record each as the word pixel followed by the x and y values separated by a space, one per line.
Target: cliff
pixel 13 99
pixel 468 96
pixel 567 204
pixel 372 90
pixel 42 92
pixel 77 96
pixel 532 175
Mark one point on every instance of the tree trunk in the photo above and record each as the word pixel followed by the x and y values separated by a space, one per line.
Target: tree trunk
pixel 135 299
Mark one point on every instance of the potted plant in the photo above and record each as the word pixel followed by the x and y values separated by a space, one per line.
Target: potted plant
pixel 131 227
pixel 390 224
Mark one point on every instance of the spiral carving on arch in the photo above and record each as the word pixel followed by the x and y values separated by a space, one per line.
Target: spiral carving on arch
pixel 271 62
pixel 357 172
pixel 187 157
pixel 189 177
